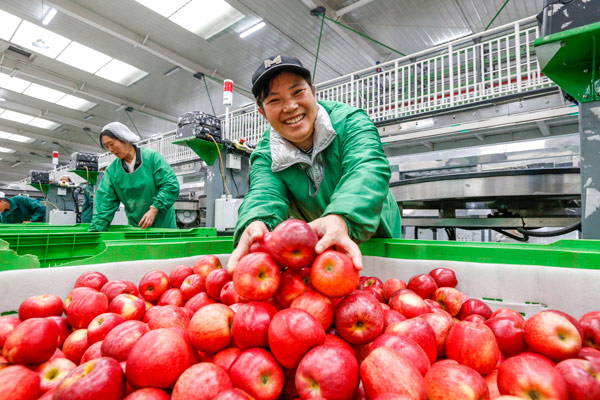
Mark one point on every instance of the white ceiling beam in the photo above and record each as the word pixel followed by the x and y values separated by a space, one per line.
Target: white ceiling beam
pixel 28 69
pixel 45 114
pixel 48 138
pixel 352 7
pixel 543 127
pixel 141 42
pixel 29 159
pixel 369 54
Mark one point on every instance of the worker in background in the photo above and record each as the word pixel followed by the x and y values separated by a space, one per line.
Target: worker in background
pixel 139 178
pixel 322 162
pixel 21 209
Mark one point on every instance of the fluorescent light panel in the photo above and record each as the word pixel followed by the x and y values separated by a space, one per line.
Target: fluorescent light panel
pixel 13 84
pixel 83 57
pixel 8 25
pixel 49 16
pixel 44 124
pixel 120 72
pixel 15 137
pixel 164 8
pixel 27 33
pixel 43 93
pixel 76 103
pixel 253 29
pixel 27 119
pixel 6 150
pixel 206 18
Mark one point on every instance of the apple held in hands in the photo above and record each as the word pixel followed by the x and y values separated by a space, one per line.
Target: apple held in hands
pixel 291 244
pixel 333 274
pixel 256 277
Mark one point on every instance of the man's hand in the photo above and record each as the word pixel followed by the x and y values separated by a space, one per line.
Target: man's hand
pixel 332 230
pixel 148 218
pixel 26 222
pixel 253 233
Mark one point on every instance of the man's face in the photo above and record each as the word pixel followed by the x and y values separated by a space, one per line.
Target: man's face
pixel 291 108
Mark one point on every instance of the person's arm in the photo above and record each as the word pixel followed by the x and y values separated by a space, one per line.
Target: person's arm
pixel 364 185
pixel 107 203
pixel 37 210
pixel 168 190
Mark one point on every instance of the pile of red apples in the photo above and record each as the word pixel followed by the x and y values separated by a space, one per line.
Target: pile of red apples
pixel 290 324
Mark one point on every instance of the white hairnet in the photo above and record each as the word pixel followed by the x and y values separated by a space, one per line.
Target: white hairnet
pixel 122 132
pixel 2 195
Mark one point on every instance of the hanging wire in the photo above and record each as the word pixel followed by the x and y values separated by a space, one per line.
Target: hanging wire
pixel 133 123
pixel 361 34
pixel 499 11
pixel 208 93
pixel 318 47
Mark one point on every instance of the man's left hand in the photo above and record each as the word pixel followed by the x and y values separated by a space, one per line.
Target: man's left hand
pixel 332 230
pixel 148 218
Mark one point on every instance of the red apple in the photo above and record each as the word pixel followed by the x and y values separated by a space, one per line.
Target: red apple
pixel 449 382
pixel 202 382
pixel 333 274
pixel 420 331
pixel 441 323
pixel 256 277
pixel 92 353
pixel 370 281
pixel 93 279
pixel 316 305
pixel 510 334
pixel 432 304
pixel 391 317
pixel 449 298
pixel 7 325
pixel 589 353
pixel 359 318
pixel 293 283
pixel 503 312
pixel 228 294
pixel 64 329
pixel 158 358
pixel 100 379
pixel 374 291
pixel 251 324
pixel 405 346
pixel 101 325
pixel 172 296
pixel 226 357
pixel 148 394
pixel 75 345
pixel 178 274
pixel 590 324
pixel 233 394
pixel 423 285
pixel 256 372
pixel 473 345
pixel 408 303
pixel 210 328
pixel 192 285
pixel 32 341
pixel 293 332
pixel 119 341
pixel 153 285
pixel 84 306
pixel 53 371
pixel 552 335
pixel 168 317
pixel 582 378
pixel 327 371
pixel 198 301
pixel 391 286
pixel 205 264
pixel 572 320
pixel 531 376
pixel 392 396
pixel 45 305
pixel 114 288
pixel 444 277
pixel 491 381
pixel 387 371
pixel 19 383
pixel 128 306
pixel 474 306
pixel 215 281
pixel 291 244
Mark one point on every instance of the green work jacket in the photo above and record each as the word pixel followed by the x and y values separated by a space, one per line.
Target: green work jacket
pixel 153 183
pixel 87 207
pixel 23 209
pixel 347 174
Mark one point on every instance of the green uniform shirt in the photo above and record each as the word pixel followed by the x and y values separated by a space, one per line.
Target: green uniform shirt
pixel 23 209
pixel 153 183
pixel 354 181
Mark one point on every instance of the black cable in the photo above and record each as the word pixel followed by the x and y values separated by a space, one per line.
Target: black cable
pixel 451 232
pixel 525 237
pixel 557 232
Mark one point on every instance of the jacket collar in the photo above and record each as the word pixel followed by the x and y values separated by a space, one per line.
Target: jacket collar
pixel 285 154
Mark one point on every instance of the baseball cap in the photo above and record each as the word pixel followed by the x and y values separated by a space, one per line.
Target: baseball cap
pixel 275 65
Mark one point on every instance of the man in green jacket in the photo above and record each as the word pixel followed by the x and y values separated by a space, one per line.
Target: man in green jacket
pixel 139 178
pixel 322 162
pixel 19 209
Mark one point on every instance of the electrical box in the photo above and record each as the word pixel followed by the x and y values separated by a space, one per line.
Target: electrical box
pixel 226 213
pixel 198 125
pixel 58 217
pixel 233 161
pixel 81 161
pixel 40 177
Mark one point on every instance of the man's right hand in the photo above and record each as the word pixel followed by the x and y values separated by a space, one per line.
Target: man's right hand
pixel 253 233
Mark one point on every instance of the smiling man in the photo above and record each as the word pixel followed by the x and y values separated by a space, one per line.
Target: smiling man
pixel 321 162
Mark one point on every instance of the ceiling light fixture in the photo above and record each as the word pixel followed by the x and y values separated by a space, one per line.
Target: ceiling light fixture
pixel 49 16
pixel 172 71
pixel 121 108
pixel 2 99
pixel 14 72
pixel 16 164
pixel 40 44
pixel 88 117
pixel 252 29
